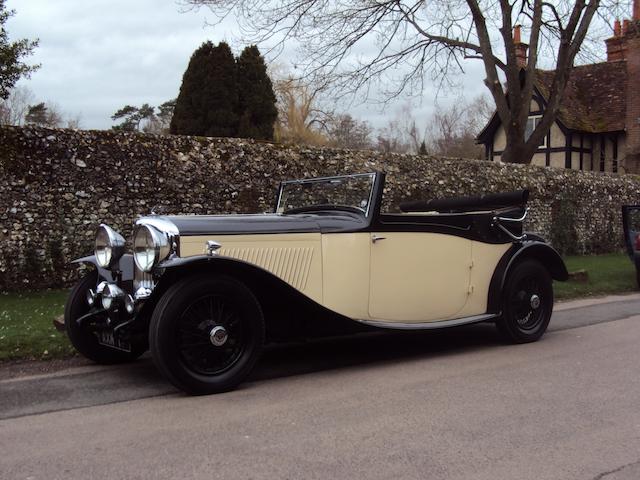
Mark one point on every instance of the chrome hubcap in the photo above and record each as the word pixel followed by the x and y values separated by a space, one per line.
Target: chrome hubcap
pixel 534 301
pixel 218 336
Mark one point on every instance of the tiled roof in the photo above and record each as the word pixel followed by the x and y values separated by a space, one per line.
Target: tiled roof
pixel 595 98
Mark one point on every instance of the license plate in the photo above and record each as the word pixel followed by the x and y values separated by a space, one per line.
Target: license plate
pixel 108 339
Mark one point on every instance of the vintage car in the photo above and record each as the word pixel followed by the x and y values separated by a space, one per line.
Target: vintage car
pixel 206 293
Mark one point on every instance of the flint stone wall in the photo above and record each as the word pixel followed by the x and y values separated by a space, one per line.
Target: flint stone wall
pixel 57 185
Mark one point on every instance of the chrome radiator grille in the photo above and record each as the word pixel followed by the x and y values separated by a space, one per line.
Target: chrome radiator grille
pixel 142 279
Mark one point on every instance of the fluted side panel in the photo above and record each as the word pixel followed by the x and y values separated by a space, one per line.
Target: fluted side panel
pixel 291 264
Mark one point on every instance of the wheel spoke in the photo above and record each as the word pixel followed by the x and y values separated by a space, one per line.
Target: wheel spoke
pixel 526 316
pixel 194 330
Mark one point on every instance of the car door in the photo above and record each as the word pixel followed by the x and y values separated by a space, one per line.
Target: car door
pixel 631 226
pixel 418 276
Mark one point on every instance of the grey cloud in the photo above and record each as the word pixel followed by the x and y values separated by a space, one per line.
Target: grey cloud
pixel 98 56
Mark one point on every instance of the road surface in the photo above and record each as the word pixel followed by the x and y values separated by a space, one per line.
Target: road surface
pixel 454 404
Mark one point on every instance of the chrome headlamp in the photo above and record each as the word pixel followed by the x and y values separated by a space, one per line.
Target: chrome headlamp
pixel 150 246
pixel 112 296
pixel 109 246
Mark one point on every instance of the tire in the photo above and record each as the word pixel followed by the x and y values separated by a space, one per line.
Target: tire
pixel 182 328
pixel 525 318
pixel 82 339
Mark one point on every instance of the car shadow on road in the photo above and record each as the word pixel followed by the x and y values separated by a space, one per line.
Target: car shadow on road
pixel 90 385
pixel 373 348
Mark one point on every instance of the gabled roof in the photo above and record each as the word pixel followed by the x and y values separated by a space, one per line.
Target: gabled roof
pixel 594 100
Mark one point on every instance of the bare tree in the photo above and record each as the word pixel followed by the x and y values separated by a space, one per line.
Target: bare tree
pixel 418 37
pixel 74 122
pixel 452 131
pixel 348 132
pixel 16 106
pixel 301 118
pixel 393 138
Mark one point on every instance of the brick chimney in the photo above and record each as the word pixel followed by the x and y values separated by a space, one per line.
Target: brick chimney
pixel 632 118
pixel 521 47
pixel 617 45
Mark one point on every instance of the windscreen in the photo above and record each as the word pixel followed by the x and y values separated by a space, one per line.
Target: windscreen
pixel 349 192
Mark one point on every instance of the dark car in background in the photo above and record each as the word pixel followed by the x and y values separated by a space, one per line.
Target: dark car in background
pixel 631 226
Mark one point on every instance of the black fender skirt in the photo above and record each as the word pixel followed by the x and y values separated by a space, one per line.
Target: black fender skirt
pixel 537 250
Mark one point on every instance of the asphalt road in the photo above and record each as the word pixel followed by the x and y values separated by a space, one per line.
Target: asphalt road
pixel 453 404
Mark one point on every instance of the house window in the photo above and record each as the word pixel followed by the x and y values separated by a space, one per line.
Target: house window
pixel 532 123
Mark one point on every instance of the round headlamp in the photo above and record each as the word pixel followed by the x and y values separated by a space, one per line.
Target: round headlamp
pixel 112 296
pixel 150 246
pixel 109 246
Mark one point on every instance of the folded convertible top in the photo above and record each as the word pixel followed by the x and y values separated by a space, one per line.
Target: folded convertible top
pixel 468 204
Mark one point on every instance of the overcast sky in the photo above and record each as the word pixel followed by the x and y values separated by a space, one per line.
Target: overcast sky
pixel 100 55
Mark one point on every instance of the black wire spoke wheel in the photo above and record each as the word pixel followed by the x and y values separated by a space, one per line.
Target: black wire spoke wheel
pixel 210 335
pixel 527 302
pixel 206 333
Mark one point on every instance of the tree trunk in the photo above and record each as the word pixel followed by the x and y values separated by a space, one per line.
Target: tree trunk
pixel 517 152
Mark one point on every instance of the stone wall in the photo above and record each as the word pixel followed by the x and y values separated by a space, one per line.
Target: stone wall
pixel 58 185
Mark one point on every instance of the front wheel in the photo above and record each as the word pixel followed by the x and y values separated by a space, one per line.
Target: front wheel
pixel 207 333
pixel 527 303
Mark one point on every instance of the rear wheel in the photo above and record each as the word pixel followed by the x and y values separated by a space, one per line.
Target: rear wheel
pixel 207 333
pixel 82 337
pixel 527 303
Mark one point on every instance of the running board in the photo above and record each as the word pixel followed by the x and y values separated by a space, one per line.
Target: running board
pixel 430 325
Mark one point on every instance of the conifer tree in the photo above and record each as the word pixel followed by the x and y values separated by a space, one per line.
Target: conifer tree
pixel 257 101
pixel 12 67
pixel 208 101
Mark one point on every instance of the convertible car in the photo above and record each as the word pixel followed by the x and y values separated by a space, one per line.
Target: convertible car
pixel 206 293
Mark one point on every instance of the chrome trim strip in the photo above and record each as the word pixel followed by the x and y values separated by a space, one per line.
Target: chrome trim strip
pixel 430 325
pixel 509 219
pixel 496 223
pixel 322 179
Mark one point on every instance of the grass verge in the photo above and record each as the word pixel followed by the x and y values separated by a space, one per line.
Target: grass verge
pixel 26 326
pixel 611 273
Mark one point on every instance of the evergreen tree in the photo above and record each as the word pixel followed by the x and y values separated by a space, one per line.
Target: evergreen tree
pixel 423 149
pixel 257 100
pixel 132 117
pixel 12 68
pixel 37 115
pixel 208 101
pixel 43 115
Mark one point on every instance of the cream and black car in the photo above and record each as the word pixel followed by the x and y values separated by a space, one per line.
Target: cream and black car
pixel 206 293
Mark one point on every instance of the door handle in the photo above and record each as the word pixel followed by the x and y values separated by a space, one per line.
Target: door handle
pixel 375 238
